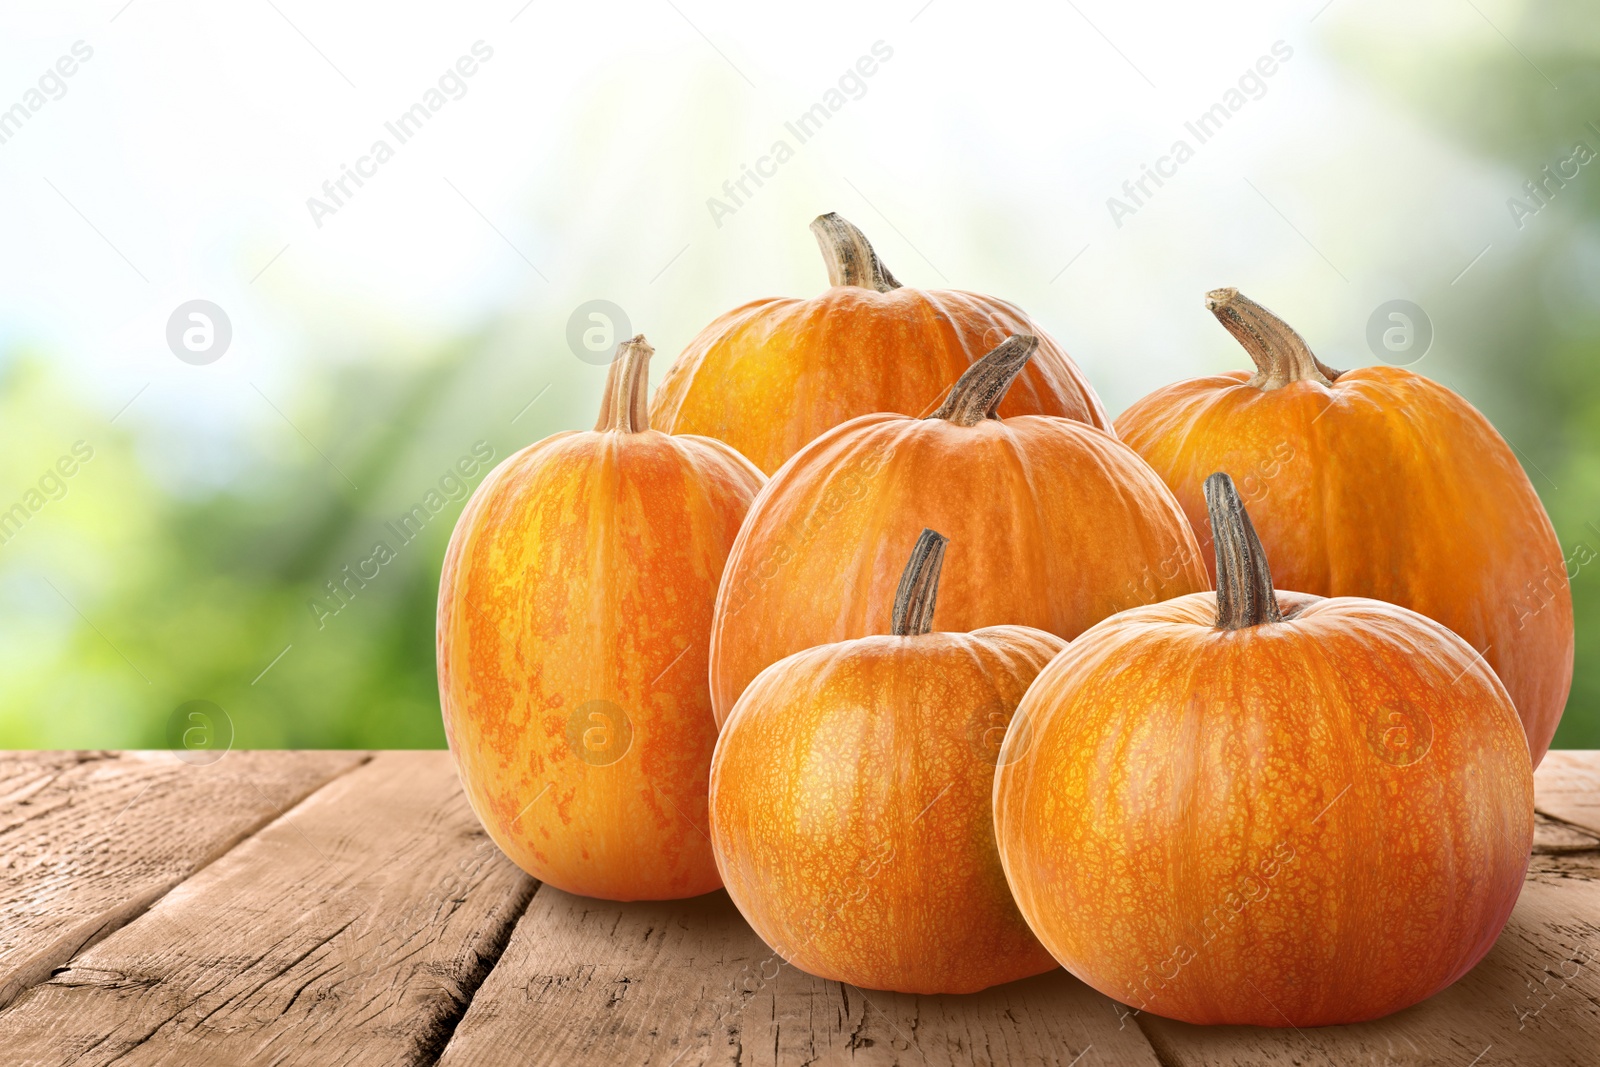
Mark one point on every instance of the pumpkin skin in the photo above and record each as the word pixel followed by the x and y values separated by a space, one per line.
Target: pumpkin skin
pixel 772 375
pixel 1053 525
pixel 1313 821
pixel 574 611
pixel 850 809
pixel 1381 484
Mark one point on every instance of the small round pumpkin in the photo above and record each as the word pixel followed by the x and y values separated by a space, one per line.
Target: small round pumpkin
pixel 1053 525
pixel 1265 808
pixel 574 615
pixel 1375 483
pixel 772 375
pixel 850 801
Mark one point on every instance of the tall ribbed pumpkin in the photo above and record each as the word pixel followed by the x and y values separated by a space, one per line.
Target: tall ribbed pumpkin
pixel 1376 483
pixel 1053 524
pixel 850 800
pixel 574 614
pixel 1265 808
pixel 772 375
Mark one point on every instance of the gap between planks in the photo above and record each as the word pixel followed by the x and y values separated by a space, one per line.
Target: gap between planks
pixel 527 975
pixel 355 930
pixel 92 840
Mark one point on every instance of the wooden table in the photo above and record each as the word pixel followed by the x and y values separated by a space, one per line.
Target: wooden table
pixel 332 908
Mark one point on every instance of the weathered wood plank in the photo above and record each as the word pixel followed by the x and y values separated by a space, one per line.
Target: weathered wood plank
pixel 357 928
pixel 89 839
pixel 1552 835
pixel 1567 785
pixel 686 983
pixel 352 931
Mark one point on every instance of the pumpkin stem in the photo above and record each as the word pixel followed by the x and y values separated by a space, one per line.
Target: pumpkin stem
pixel 849 255
pixel 978 392
pixel 1281 356
pixel 919 586
pixel 624 407
pixel 1244 583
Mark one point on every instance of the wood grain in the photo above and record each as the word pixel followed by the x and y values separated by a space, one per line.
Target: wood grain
pixel 353 930
pixel 364 926
pixel 687 983
pixel 1554 836
pixel 1567 785
pixel 90 839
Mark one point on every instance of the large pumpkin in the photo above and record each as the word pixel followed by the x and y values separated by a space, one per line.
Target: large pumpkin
pixel 772 375
pixel 574 614
pixel 1053 524
pixel 850 801
pixel 1378 483
pixel 1265 808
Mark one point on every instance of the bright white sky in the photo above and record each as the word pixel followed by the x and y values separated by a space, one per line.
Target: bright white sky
pixel 578 165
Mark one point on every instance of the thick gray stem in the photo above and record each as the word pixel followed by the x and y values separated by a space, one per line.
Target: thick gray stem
pixel 849 255
pixel 1244 584
pixel 919 587
pixel 1280 354
pixel 978 392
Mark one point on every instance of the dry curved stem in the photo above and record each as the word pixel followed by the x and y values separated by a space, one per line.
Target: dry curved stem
pixel 849 255
pixel 1245 596
pixel 1280 354
pixel 919 586
pixel 625 407
pixel 978 392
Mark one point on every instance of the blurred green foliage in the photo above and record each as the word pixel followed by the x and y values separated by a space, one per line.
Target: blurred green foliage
pixel 132 594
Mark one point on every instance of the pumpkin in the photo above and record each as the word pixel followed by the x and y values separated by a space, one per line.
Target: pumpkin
pixel 574 615
pixel 1265 808
pixel 850 801
pixel 772 375
pixel 1376 483
pixel 1053 524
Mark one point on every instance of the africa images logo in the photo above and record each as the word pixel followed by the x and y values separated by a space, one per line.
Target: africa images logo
pixel 851 85
pixel 451 85
pixel 1252 85
pixel 452 487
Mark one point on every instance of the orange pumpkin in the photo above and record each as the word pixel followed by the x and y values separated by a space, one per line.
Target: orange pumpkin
pixel 1054 525
pixel 850 809
pixel 574 614
pixel 1378 483
pixel 1265 808
pixel 774 374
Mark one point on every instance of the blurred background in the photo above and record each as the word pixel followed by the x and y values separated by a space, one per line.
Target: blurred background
pixel 379 335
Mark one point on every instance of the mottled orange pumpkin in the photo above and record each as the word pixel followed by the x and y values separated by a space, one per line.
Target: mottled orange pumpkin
pixel 850 801
pixel 574 614
pixel 774 374
pixel 1377 483
pixel 1053 524
pixel 1265 808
